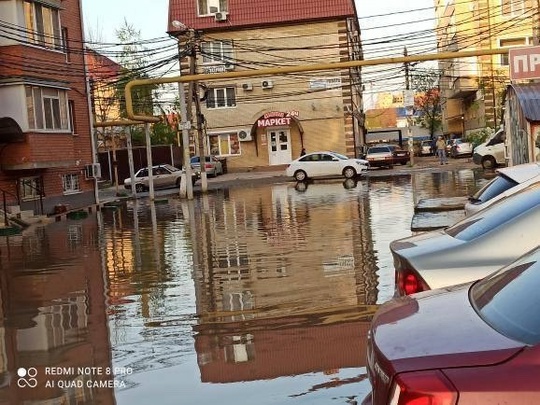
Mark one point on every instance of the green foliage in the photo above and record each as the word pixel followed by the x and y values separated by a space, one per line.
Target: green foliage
pixel 479 136
pixel 134 61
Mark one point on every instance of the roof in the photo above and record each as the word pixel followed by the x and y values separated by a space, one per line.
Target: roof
pixel 244 14
pixel 521 173
pixel 528 96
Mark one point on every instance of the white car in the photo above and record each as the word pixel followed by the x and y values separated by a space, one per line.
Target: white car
pixel 471 248
pixel 508 181
pixel 326 164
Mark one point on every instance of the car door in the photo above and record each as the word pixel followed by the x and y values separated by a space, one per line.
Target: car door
pixel 329 166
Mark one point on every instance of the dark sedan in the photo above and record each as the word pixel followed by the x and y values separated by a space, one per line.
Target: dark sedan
pixel 484 349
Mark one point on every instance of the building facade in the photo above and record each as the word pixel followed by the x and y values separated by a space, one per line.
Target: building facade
pixel 46 151
pixel 265 121
pixel 472 89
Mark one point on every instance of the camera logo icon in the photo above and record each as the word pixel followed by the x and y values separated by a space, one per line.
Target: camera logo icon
pixel 27 377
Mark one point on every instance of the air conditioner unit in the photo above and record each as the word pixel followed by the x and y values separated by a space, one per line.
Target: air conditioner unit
pixel 267 84
pixel 92 171
pixel 221 16
pixel 244 135
pixel 247 86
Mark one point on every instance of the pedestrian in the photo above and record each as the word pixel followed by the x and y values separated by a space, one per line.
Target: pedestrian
pixel 303 152
pixel 441 150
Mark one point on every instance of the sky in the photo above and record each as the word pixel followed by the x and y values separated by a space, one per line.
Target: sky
pixel 402 23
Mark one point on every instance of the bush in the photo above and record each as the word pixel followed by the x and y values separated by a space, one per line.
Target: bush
pixel 479 136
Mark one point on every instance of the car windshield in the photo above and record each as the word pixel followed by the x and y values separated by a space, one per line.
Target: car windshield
pixel 508 300
pixel 492 189
pixel 496 215
pixel 171 168
pixel 340 156
pixel 378 149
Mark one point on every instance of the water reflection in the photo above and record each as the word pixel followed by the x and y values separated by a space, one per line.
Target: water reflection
pixel 268 289
pixel 53 315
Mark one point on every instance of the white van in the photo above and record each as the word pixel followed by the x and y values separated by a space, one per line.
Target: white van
pixel 492 152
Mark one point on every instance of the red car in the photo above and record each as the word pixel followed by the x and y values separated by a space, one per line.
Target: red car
pixel 476 343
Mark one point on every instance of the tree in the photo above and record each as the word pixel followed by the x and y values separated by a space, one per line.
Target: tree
pixel 427 100
pixel 134 61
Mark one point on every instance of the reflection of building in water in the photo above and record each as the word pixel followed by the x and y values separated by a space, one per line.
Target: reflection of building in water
pixel 277 253
pixel 270 348
pixel 53 313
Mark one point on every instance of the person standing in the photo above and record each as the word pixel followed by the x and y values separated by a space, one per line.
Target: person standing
pixel 441 150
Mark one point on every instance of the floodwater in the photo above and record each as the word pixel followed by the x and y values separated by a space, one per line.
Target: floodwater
pixel 245 295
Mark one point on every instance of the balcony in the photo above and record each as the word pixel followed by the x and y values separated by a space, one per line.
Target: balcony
pixel 463 87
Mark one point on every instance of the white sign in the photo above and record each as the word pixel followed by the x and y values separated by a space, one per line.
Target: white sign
pixel 408 98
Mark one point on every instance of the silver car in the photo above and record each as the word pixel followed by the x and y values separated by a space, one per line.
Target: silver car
pixel 163 176
pixel 508 181
pixel 213 166
pixel 470 249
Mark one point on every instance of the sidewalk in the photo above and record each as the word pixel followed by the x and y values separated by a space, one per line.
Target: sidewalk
pixel 276 174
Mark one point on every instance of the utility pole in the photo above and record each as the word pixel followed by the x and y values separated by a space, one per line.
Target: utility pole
pixel 409 105
pixel 194 96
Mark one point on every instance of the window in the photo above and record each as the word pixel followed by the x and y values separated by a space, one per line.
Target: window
pixel 43 25
pixel 217 52
pixel 508 43
pixel 30 188
pixel 224 144
pixel 221 97
pixel 66 44
pixel 512 8
pixel 207 7
pixel 70 183
pixel 47 108
pixel 72 124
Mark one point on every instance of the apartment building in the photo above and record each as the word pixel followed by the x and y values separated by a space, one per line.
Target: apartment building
pixel 473 88
pixel 265 121
pixel 45 142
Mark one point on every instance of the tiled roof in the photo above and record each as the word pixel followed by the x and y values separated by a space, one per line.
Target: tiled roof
pixel 244 13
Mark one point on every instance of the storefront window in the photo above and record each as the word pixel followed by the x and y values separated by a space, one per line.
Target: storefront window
pixel 224 144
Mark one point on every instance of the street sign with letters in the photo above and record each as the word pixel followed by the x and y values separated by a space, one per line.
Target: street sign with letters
pixel 524 63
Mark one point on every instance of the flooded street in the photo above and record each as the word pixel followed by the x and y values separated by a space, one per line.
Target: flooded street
pixel 258 294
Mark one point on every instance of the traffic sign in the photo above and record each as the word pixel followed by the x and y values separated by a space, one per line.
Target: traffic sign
pixel 524 63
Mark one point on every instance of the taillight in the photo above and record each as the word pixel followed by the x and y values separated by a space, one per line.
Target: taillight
pixel 409 282
pixel 208 165
pixel 423 388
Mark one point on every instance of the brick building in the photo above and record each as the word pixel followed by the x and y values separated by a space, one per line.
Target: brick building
pixel 264 121
pixel 45 137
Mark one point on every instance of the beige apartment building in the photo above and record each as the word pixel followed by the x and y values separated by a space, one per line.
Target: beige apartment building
pixel 265 121
pixel 472 88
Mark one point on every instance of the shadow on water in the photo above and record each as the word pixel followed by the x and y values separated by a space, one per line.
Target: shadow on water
pixel 261 293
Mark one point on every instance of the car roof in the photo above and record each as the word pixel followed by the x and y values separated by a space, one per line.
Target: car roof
pixel 520 173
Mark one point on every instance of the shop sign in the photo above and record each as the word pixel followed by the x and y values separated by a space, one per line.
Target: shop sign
pixel 276 118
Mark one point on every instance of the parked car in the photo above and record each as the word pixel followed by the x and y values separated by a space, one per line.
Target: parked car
pixel 476 343
pixel 471 248
pixel 213 165
pixel 507 181
pixel 492 152
pixel 459 148
pixel 426 148
pixel 325 164
pixel 387 155
pixel 163 176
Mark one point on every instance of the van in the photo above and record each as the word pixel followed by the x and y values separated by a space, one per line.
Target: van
pixel 492 152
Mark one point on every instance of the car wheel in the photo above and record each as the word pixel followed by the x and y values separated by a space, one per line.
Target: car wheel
pixel 140 188
pixel 349 172
pixel 300 175
pixel 488 162
pixel 403 163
